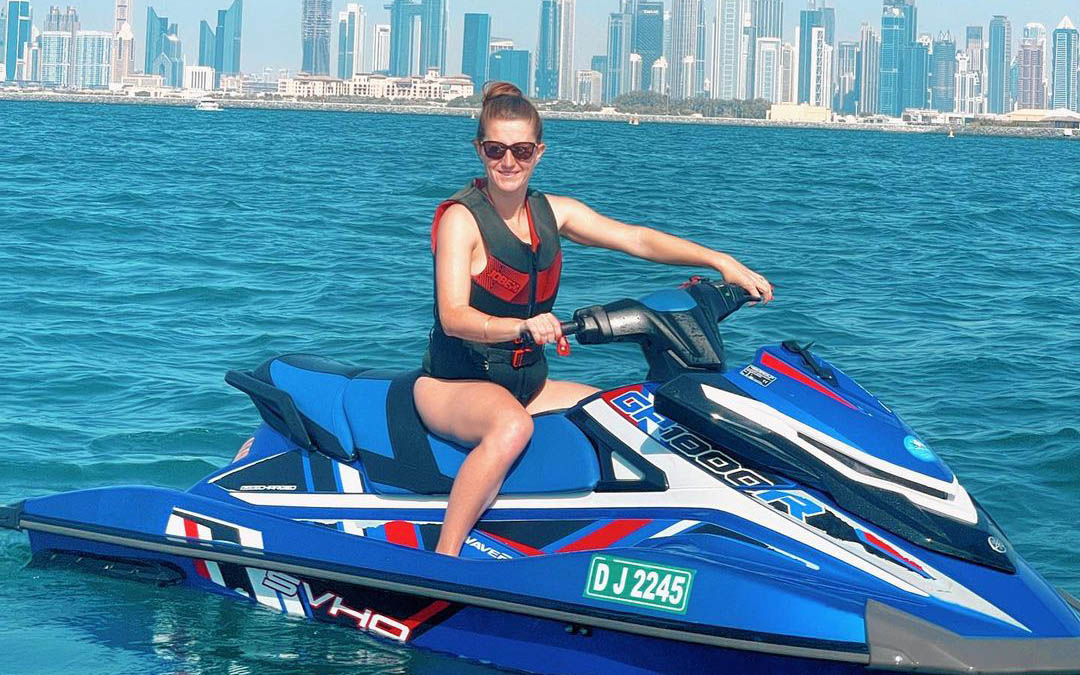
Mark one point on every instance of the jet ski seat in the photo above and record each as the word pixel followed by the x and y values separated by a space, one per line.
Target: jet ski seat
pixel 368 419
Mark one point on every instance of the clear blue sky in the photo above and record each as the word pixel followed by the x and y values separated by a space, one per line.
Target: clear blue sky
pixel 272 27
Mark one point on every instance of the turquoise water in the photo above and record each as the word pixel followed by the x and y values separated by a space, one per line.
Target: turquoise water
pixel 145 251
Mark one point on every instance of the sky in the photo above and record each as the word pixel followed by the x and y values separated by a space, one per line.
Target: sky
pixel 271 31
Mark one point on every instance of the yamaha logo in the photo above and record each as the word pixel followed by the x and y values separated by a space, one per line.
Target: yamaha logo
pixel 996 544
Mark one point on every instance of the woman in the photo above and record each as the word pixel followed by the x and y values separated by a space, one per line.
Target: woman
pixel 497 264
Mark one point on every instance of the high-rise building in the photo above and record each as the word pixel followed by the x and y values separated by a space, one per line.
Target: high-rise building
pixel 820 68
pixel 635 72
pixel 1030 84
pixel 1037 32
pixel 699 57
pixel 164 51
pixel 730 44
pixel 3 39
pixel 847 66
pixel 510 65
pixel 789 74
pixel 898 30
pixel 589 87
pixel 943 73
pixel 56 46
pixel 93 57
pixel 380 48
pixel 969 100
pixel 659 76
pixel 17 39
pixel 474 48
pixel 227 40
pixel 315 37
pixel 123 56
pixel 352 26
pixel 617 79
pixel 809 19
pixel 207 44
pixel 915 75
pixel 1066 42
pixel 417 36
pixel 868 72
pixel 999 58
pixel 768 59
pixel 648 37
pixel 599 63
pixel 684 48
pixel 555 50
pixel 67 21
pixel 767 18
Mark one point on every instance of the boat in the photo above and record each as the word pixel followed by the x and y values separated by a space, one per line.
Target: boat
pixel 634 121
pixel 773 516
pixel 209 104
pixel 952 134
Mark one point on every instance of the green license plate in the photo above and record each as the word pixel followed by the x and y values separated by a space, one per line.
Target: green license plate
pixel 639 583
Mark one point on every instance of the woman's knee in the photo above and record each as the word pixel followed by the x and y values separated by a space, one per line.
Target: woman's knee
pixel 511 431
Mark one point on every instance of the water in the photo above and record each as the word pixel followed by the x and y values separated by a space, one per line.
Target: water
pixel 145 251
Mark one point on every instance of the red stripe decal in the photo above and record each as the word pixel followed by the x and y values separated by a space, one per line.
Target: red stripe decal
pixel 517 546
pixel 191 529
pixel 426 613
pixel 401 533
pixel 873 539
pixel 200 567
pixel 779 366
pixel 605 536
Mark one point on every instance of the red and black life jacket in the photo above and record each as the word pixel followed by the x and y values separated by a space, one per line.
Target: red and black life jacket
pixel 520 280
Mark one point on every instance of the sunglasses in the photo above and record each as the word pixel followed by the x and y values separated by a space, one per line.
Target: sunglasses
pixel 522 152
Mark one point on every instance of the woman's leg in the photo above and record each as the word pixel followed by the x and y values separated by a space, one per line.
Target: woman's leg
pixel 473 412
pixel 557 394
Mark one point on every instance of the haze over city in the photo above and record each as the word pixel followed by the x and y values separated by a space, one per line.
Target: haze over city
pixel 272 27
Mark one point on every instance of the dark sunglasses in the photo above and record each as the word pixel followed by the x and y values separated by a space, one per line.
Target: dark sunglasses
pixel 521 151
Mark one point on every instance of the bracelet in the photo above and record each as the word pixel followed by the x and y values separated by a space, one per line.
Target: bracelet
pixel 486 322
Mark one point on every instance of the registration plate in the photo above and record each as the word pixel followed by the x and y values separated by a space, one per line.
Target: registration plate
pixel 639 583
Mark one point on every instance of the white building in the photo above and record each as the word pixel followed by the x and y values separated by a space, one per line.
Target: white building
pixel 590 87
pixel 566 49
pixel 498 44
pixel 380 48
pixel 768 65
pixel 56 48
pixel 821 69
pixel 352 25
pixel 432 86
pixel 969 95
pixel 635 72
pixel 93 59
pixel 123 54
pixel 788 73
pixel 199 78
pixel 659 80
pixel 730 45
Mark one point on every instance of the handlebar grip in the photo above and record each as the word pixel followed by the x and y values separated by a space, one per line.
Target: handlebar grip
pixel 570 327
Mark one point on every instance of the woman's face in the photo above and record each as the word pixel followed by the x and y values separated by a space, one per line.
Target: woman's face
pixel 508 173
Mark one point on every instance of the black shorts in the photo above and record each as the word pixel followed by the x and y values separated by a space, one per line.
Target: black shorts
pixel 449 358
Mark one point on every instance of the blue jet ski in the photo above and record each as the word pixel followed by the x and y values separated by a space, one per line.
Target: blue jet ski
pixel 770 517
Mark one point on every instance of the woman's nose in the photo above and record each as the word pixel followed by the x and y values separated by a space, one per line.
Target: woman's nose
pixel 508 160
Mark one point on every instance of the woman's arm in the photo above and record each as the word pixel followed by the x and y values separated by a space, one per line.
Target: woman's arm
pixel 456 244
pixel 581 224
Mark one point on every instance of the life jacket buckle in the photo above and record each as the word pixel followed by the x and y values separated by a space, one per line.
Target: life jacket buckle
pixel 517 359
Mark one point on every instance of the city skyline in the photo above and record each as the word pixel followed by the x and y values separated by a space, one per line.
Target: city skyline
pixel 272 35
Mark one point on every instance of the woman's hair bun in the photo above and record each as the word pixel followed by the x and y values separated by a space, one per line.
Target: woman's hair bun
pixel 494 89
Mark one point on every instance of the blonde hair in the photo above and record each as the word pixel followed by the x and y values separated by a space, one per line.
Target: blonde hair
pixel 504 101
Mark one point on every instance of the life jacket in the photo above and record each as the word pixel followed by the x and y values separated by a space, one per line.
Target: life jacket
pixel 520 280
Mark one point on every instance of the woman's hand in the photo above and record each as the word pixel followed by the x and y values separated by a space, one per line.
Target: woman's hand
pixel 740 275
pixel 544 328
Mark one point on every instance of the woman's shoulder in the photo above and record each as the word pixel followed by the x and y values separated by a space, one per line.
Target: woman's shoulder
pixel 457 222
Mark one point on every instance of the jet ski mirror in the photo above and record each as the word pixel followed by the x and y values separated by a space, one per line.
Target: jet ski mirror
pixel 676 329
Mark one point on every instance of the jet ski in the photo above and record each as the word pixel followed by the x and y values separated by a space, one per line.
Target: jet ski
pixel 768 517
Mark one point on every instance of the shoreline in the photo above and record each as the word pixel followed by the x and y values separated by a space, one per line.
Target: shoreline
pixel 608 117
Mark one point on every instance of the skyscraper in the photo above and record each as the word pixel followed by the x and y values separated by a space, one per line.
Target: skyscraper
pixel 847 65
pixel 915 74
pixel 868 73
pixel 547 51
pixel 999 58
pixel 207 44
pixel 555 50
pixel 648 37
pixel 659 76
pixel 18 34
pixel 380 48
pixel 3 39
pixel 474 48
pixel 164 51
pixel 315 37
pixel 1038 33
pixel 768 18
pixel 617 79
pixel 93 54
pixel 943 74
pixel 227 40
pixel 510 65
pixel 1066 42
pixel 56 47
pixel 898 30
pixel 589 87
pixel 352 26
pixel 767 65
pixel 730 44
pixel 1031 92
pixel 417 36
pixel 820 68
pixel 684 46
pixel 123 56
pixel 809 19
pixel 64 22
pixel 699 57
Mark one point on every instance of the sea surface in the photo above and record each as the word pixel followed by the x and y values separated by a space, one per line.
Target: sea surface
pixel 144 251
